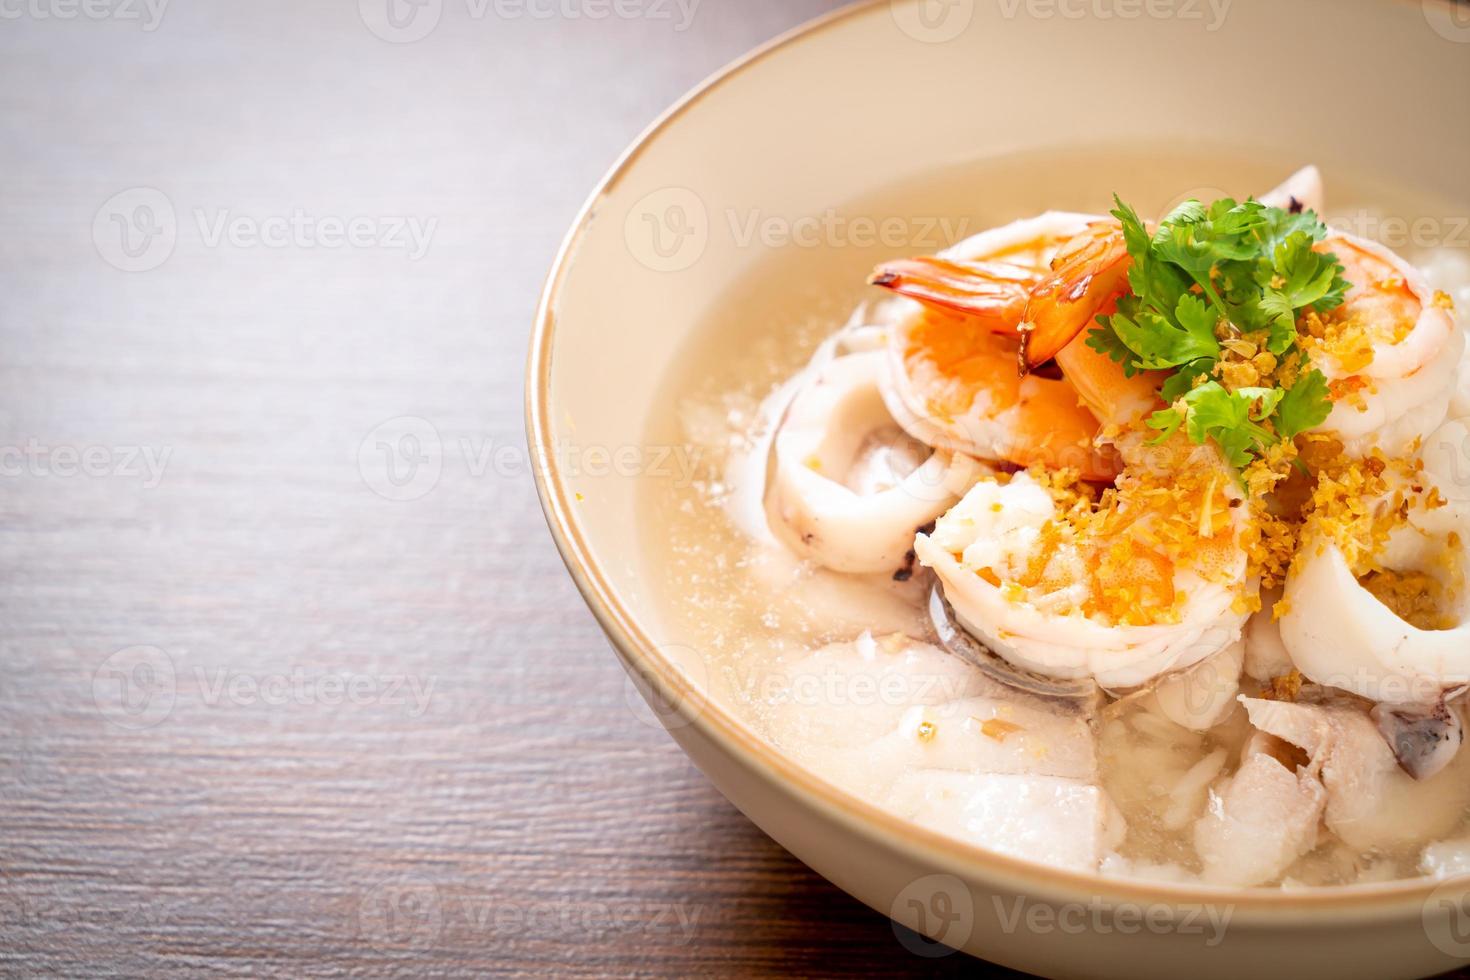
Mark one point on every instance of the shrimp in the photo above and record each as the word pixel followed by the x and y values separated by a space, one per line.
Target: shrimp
pixel 1390 352
pixel 1088 274
pixel 1012 294
pixel 1147 578
pixel 1121 586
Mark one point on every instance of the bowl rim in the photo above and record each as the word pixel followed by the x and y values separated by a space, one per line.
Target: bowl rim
pixel 1259 907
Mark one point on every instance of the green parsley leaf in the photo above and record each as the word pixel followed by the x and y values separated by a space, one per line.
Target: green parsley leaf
pixel 1222 269
pixel 1308 277
pixel 1159 341
pixel 1181 381
pixel 1167 421
pixel 1304 405
pixel 1231 418
pixel 1106 342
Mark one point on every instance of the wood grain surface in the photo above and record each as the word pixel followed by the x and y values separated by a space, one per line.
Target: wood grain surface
pixel 264 710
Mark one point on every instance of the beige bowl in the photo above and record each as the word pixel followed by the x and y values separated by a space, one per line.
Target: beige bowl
pixel 885 92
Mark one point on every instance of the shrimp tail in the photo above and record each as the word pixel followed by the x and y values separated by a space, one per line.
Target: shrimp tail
pixel 993 294
pixel 1087 276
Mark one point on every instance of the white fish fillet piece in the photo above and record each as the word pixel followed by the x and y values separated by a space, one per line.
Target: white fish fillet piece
pixel 1258 822
pixel 912 728
pixel 1061 822
pixel 852 694
pixel 1371 802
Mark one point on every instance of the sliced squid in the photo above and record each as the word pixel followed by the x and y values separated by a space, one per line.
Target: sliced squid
pixel 1302 190
pixel 847 488
pixel 1266 656
pixel 1424 740
pixel 1340 634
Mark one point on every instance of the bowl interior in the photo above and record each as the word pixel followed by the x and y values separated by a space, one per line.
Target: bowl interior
pixel 885 96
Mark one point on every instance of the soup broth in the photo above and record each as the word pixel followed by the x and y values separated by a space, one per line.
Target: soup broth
pixel 756 614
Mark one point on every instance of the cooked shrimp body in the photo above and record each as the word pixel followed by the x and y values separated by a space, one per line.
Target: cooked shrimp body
pixel 1391 352
pixel 1148 579
pixel 953 377
pixel 847 487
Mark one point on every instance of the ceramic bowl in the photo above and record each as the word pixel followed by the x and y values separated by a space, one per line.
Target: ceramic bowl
pixel 883 93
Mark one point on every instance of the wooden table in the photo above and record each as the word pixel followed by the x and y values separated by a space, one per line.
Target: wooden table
pixel 272 701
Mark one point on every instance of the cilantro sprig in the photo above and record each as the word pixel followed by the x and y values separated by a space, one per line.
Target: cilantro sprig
pixel 1223 269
